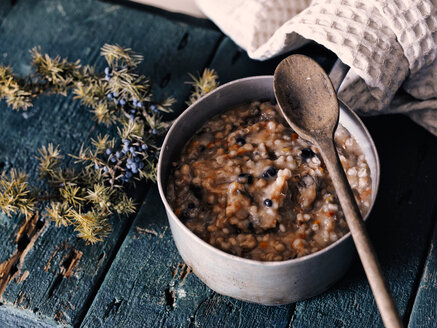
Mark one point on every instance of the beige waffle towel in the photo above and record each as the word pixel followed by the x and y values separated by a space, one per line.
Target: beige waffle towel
pixel 390 45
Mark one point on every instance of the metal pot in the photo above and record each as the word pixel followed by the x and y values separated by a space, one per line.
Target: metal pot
pixel 269 283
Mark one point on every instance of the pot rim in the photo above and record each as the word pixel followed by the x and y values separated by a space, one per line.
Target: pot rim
pixel 221 253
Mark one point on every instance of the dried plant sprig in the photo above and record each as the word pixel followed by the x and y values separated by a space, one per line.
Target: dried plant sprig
pixel 120 96
pixel 57 73
pixel 90 225
pixel 202 84
pixel 85 193
pixel 90 90
pixel 88 192
pixel 49 159
pixel 16 91
pixel 57 212
pixel 15 194
pixel 124 205
pixel 100 196
pixel 72 194
pixel 119 56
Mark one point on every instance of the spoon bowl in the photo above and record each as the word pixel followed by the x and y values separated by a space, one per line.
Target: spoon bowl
pixel 302 85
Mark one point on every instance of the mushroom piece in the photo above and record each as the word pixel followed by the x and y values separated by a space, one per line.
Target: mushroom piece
pixel 307 191
pixel 272 199
pixel 237 201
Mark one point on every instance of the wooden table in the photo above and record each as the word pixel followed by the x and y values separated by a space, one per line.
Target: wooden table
pixel 136 278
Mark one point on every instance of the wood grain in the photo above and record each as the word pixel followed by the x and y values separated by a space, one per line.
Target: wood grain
pixel 147 283
pixel 5 7
pixel 424 312
pixel 12 317
pixel 59 274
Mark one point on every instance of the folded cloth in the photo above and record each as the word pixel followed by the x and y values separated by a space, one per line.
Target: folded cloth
pixel 390 45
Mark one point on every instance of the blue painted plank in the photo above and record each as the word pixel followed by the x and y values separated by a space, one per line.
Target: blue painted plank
pixel 5 7
pixel 77 29
pixel 11 317
pixel 424 312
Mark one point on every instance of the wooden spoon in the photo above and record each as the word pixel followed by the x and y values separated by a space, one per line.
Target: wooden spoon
pixel 308 102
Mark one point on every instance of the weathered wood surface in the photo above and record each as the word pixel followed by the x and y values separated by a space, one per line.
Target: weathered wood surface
pixel 424 312
pixel 147 283
pixel 44 269
pixel 5 7
pixel 13 317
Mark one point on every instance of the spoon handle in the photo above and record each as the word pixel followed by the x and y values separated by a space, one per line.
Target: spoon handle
pixel 338 73
pixel 378 284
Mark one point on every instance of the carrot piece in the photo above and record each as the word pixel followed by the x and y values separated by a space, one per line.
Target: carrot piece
pixel 263 244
